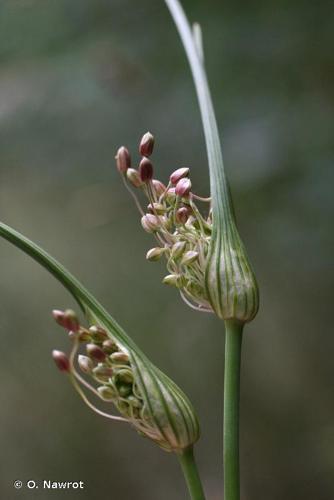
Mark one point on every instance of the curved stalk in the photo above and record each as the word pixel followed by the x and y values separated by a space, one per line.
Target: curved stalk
pixel 190 472
pixel 233 340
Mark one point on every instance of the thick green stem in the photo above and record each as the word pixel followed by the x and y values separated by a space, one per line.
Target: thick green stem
pixel 190 472
pixel 233 340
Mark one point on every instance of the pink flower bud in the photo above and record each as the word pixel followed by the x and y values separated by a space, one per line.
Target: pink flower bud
pixel 150 223
pixel 146 144
pixel 95 352
pixel 179 174
pixel 67 319
pixel 159 187
pixel 145 170
pixel 183 187
pixel 123 159
pixel 182 215
pixel 61 360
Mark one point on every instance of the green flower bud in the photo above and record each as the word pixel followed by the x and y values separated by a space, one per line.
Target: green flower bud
pixel 156 208
pixel 178 249
pixel 135 402
pixel 102 373
pixel 155 253
pixel 107 393
pixel 173 280
pixel 125 376
pixel 109 346
pixel 98 334
pixel 189 257
pixel 134 177
pixel 124 390
pixel 119 357
pixel 170 195
pixel 84 335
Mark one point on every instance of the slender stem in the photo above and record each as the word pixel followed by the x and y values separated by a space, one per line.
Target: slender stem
pixel 233 340
pixel 190 472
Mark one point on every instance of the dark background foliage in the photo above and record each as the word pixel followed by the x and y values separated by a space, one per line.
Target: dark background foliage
pixel 78 78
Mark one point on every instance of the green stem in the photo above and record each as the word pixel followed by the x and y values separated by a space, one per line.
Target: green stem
pixel 233 340
pixel 190 472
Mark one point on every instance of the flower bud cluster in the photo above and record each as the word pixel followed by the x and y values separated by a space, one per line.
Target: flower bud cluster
pixel 123 376
pixel 106 363
pixel 182 232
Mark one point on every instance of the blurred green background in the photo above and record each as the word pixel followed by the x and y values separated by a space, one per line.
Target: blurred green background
pixel 78 78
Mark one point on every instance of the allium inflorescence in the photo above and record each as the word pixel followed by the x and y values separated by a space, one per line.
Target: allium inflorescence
pixel 106 362
pixel 181 230
pixel 116 372
pixel 108 365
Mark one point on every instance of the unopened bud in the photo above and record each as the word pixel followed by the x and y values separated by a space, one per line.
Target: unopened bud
pixel 67 319
pixel 189 257
pixel 182 215
pixel 95 352
pixel 180 173
pixel 155 253
pixel 84 335
pixel 123 159
pixel 183 187
pixel 133 177
pixel 146 144
pixel 156 208
pixel 125 376
pixel 172 280
pixel 150 223
pixel 159 187
pixel 119 357
pixel 107 393
pixel 61 360
pixel 124 390
pixel 134 402
pixel 98 333
pixel 109 346
pixel 166 222
pixel 145 170
pixel 102 373
pixel 178 249
pixel 170 195
pixel 85 363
